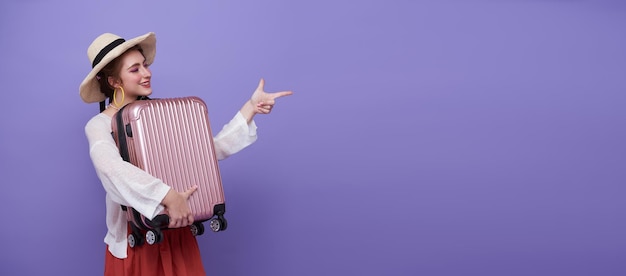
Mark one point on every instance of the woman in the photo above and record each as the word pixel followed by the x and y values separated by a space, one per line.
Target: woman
pixel 120 72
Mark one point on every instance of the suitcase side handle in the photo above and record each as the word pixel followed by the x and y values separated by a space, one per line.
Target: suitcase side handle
pixel 121 137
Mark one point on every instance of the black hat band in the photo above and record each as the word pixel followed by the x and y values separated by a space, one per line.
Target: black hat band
pixel 106 50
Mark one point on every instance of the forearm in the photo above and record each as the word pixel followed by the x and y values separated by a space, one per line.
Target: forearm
pixel 124 183
pixel 131 186
pixel 234 136
pixel 248 111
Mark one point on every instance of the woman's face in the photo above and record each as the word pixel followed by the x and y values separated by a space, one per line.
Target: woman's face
pixel 134 75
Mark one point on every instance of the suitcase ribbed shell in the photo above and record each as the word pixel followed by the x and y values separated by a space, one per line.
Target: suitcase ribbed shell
pixel 171 139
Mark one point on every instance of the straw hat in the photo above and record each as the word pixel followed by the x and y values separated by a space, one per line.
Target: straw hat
pixel 103 50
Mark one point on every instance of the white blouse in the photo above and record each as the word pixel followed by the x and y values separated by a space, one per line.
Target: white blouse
pixel 126 184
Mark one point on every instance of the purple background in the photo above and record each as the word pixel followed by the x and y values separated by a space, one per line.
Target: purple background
pixel 423 137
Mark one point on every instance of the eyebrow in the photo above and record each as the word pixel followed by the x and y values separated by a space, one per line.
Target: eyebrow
pixel 136 64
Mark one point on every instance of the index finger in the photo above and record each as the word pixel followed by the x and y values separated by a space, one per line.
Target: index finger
pixel 281 94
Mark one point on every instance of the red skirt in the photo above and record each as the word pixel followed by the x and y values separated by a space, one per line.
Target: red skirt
pixel 176 255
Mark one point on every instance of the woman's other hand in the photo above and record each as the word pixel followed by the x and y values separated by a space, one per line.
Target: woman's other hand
pixel 178 208
pixel 261 102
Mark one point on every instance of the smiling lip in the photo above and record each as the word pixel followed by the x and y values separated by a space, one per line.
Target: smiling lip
pixel 145 84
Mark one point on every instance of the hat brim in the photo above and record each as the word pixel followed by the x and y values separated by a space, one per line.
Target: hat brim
pixel 90 88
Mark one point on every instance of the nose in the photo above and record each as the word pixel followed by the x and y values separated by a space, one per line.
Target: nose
pixel 145 72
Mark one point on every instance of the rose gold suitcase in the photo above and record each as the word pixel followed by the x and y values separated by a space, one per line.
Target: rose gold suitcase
pixel 171 139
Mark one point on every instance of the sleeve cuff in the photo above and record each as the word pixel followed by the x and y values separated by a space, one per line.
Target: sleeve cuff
pixel 251 126
pixel 161 193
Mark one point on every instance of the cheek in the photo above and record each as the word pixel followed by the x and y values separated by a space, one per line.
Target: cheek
pixel 129 78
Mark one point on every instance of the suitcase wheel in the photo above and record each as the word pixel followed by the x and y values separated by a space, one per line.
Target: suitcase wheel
pixel 131 240
pixel 154 236
pixel 197 229
pixel 217 224
pixel 224 223
pixel 134 240
pixel 223 220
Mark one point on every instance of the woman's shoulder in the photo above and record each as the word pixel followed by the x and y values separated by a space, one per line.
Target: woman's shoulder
pixel 98 121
